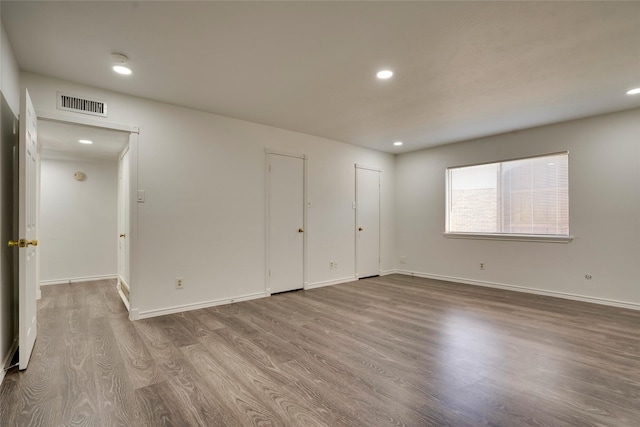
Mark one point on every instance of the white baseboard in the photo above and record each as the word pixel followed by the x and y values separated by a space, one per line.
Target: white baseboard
pixel 387 272
pixel 77 279
pixel 330 282
pixel 124 283
pixel 574 297
pixel 120 285
pixel 123 297
pixel 188 307
pixel 7 359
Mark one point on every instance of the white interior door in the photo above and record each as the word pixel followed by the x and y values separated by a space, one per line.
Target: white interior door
pixel 27 253
pixel 367 222
pixel 286 221
pixel 123 219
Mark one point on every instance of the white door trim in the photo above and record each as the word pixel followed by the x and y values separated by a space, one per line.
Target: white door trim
pixel 285 153
pixel 267 192
pixel 368 168
pixel 133 225
pixel 68 118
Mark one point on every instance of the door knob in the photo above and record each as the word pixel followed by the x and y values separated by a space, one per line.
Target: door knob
pixel 300 230
pixel 123 235
pixel 22 243
pixel 360 229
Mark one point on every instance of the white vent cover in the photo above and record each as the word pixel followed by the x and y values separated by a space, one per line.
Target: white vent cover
pixel 81 105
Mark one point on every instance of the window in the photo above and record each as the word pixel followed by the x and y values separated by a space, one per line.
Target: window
pixel 526 197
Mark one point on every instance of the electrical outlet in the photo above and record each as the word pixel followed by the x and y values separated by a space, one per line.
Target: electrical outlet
pixel 335 264
pixel 179 283
pixel 403 260
pixel 482 266
pixel 331 265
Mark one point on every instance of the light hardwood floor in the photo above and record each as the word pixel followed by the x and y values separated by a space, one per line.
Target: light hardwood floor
pixel 388 351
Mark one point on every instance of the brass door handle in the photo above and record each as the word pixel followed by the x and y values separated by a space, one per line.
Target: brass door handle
pixel 360 229
pixel 123 235
pixel 22 243
pixel 300 230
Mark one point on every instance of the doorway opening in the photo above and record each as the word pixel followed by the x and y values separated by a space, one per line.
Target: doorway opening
pixel 286 219
pixel 84 207
pixel 367 227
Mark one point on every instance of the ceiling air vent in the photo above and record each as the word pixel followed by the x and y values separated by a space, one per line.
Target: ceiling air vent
pixel 81 105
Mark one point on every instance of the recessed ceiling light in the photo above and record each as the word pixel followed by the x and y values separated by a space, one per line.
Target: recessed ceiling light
pixel 121 69
pixel 551 164
pixel 85 141
pixel 397 143
pixel 120 60
pixel 633 91
pixel 384 74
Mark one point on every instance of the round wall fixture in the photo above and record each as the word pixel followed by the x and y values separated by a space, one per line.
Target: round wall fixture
pixel 80 176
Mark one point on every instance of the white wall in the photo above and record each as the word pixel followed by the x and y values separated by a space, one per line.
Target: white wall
pixel 604 180
pixel 78 221
pixel 9 73
pixel 10 88
pixel 204 215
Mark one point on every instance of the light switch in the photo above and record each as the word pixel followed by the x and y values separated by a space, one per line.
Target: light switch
pixel 140 196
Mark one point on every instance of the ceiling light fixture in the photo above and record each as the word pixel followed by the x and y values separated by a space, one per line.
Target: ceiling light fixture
pixel 122 70
pixel 397 143
pixel 633 91
pixel 85 141
pixel 120 61
pixel 384 74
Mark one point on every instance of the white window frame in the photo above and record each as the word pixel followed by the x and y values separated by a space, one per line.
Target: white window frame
pixel 553 238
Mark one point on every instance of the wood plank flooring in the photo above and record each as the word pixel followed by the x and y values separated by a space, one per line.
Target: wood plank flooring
pixel 388 351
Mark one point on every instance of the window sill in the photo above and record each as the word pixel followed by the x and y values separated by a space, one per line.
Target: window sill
pixel 513 237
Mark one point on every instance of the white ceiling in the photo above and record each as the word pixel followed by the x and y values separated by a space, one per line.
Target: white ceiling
pixel 60 141
pixel 462 69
